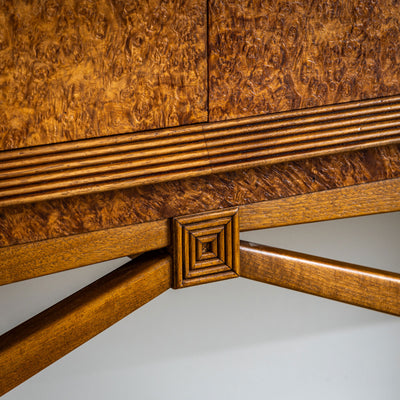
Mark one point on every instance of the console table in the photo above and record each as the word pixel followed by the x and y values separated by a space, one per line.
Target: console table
pixel 162 129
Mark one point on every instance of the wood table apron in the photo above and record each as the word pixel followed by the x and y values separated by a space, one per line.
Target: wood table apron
pixel 130 127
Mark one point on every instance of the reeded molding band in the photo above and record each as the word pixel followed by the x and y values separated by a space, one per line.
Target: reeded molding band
pixel 128 160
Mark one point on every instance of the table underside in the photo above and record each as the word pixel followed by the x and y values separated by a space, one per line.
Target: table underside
pixel 120 122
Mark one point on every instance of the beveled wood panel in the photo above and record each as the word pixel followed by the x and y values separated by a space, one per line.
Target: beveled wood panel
pixel 50 335
pixel 77 69
pixel 64 170
pixel 206 247
pixel 269 56
pixel 29 260
pixel 80 214
pixel 362 286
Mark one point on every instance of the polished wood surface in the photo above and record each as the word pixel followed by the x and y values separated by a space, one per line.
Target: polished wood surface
pixel 276 55
pixel 117 118
pixel 206 247
pixel 43 339
pixel 366 287
pixel 96 165
pixel 372 198
pixel 73 70
pixel 26 261
pixel 81 214
pixel 49 256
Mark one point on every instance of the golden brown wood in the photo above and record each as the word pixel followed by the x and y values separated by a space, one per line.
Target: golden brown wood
pixel 99 211
pixel 206 247
pixel 43 339
pixel 372 198
pixel 274 55
pixel 44 257
pixel 366 287
pixel 41 258
pixel 72 70
pixel 94 69
pixel 64 170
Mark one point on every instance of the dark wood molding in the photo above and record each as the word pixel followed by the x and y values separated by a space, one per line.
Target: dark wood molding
pixel 30 260
pixel 129 128
pixel 123 161
pixel 365 287
pixel 76 215
pixel 206 247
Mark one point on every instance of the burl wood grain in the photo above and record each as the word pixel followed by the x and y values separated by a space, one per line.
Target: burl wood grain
pixel 78 69
pixel 269 56
pixel 123 161
pixel 75 215
pixel 30 260
pixel 345 202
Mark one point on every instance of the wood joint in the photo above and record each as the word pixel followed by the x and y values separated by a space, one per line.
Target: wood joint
pixel 206 247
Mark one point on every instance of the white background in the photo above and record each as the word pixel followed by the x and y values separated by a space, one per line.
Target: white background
pixel 235 339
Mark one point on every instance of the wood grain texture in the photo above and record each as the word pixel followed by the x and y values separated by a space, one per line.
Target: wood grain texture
pixel 39 258
pixel 78 69
pixel 30 260
pixel 206 247
pixel 80 214
pixel 366 287
pixel 269 56
pixel 50 335
pixel 96 165
pixel 372 198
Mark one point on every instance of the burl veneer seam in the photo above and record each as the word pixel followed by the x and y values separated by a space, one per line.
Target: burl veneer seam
pixel 128 160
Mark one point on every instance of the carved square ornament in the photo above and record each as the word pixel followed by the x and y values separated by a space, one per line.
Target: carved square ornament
pixel 206 247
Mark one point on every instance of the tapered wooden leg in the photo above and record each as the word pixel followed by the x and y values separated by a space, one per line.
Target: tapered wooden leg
pixel 43 339
pixel 366 287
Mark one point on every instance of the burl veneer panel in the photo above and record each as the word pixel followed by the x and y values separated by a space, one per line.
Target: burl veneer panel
pixel 151 157
pixel 69 216
pixel 78 69
pixel 271 56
